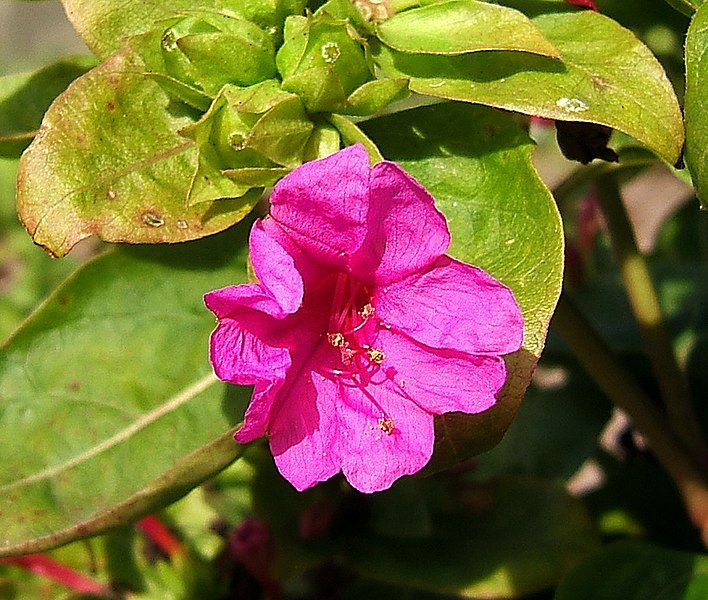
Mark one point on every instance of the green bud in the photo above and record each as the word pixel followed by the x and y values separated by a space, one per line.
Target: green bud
pixel 207 50
pixel 322 60
pixel 347 10
pixel 248 137
pixel 324 141
pixel 269 15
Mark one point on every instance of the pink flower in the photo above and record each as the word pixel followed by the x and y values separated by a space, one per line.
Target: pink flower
pixel 361 328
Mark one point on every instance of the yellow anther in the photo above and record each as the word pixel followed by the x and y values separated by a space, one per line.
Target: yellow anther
pixel 375 356
pixel 336 339
pixel 386 425
pixel 367 311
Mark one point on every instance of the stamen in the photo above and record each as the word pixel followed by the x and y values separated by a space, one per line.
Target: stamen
pixel 348 354
pixel 337 300
pixel 367 311
pixel 386 425
pixel 335 372
pixel 336 339
pixel 375 356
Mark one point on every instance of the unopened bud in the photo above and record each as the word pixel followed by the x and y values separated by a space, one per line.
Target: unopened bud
pixel 252 544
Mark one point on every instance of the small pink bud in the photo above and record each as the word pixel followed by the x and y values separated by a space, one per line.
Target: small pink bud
pixel 253 545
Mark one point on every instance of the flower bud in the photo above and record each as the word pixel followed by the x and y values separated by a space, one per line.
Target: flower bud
pixel 253 545
pixel 269 15
pixel 207 50
pixel 248 138
pixel 322 60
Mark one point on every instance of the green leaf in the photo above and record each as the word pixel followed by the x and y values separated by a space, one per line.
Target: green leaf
pixel 687 7
pixel 25 97
pixel 696 108
pixel 637 570
pixel 108 161
pixel 461 26
pixel 109 406
pixel 606 76
pixel 476 162
pixel 27 273
pixel 556 430
pixel 503 548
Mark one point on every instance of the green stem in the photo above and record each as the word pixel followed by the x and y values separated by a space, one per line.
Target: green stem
pixel 622 388
pixel 645 304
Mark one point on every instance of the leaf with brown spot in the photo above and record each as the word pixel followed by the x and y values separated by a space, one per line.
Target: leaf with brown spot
pixel 108 161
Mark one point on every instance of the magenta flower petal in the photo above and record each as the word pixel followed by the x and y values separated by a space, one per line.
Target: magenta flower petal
pixel 235 300
pixel 360 329
pixel 323 205
pixel 456 306
pixel 461 382
pixel 406 233
pixel 275 269
pixel 240 355
pixel 304 429
pixel 382 436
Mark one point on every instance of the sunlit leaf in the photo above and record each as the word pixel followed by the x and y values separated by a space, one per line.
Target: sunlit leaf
pixel 109 407
pixel 105 24
pixel 460 26
pixel 696 108
pixel 108 161
pixel 605 76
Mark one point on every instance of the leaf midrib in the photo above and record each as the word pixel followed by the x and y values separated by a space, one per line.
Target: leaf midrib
pixel 119 437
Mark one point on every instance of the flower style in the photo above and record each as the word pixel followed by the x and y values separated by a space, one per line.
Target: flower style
pixel 360 329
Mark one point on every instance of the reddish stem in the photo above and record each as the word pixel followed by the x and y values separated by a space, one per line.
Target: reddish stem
pixel 584 4
pixel 161 536
pixel 42 565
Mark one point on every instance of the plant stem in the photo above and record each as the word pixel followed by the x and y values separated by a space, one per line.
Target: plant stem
pixel 644 300
pixel 622 388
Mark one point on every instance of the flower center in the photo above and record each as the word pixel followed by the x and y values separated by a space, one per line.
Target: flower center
pixel 351 325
